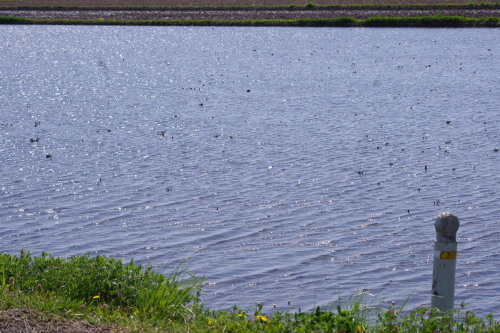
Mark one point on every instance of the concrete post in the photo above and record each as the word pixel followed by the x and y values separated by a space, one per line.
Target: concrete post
pixel 445 255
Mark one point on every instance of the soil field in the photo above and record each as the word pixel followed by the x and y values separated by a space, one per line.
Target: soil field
pixel 212 9
pixel 218 3
pixel 238 14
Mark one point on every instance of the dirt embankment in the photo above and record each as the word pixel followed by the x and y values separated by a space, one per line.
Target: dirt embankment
pixel 204 14
pixel 198 3
pixel 211 9
pixel 25 320
pixel 221 9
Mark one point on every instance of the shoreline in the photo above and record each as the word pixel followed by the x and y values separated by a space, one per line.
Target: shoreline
pixel 105 18
pixel 380 15
pixel 100 294
pixel 241 13
pixel 349 22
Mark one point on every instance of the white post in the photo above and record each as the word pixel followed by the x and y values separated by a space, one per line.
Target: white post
pixel 445 255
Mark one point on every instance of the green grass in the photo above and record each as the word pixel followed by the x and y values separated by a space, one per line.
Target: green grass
pixel 419 22
pixel 107 292
pixel 430 21
pixel 96 283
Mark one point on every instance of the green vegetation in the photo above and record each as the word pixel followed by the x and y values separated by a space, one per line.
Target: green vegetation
pixel 424 21
pixel 431 21
pixel 310 5
pixel 130 298
pixel 81 282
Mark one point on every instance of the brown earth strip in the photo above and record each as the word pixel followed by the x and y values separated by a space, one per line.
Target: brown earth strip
pixel 25 320
pixel 215 3
pixel 235 14
pixel 216 13
pixel 204 14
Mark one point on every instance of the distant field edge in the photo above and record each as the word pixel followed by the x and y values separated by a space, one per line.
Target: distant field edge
pixel 393 22
pixel 437 6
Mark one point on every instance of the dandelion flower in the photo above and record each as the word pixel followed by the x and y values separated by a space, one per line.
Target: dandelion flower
pixel 261 318
pixel 242 315
pixel 96 297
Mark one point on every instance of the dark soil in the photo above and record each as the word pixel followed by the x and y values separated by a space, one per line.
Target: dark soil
pixel 27 321
pixel 197 3
pixel 213 10
pixel 240 14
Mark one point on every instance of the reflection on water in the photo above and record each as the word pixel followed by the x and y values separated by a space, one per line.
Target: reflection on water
pixel 287 164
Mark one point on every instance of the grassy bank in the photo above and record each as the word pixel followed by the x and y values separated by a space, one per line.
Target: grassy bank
pixel 102 294
pixel 421 22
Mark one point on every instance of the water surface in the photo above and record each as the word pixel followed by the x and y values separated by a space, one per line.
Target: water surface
pixel 287 164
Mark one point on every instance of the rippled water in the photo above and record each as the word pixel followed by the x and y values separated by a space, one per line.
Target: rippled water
pixel 286 164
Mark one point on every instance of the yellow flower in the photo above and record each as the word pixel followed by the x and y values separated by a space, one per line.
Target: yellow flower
pixel 242 315
pixel 210 322
pixel 96 297
pixel 261 318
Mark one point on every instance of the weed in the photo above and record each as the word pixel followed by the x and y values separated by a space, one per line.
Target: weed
pixel 310 5
pixel 425 21
pixel 105 291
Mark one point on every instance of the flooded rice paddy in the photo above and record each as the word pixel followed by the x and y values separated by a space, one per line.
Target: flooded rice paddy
pixel 287 165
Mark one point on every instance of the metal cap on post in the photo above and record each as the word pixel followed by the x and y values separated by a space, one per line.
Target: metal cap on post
pixel 445 255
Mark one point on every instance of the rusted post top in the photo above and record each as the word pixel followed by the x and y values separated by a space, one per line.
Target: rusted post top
pixel 446 225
